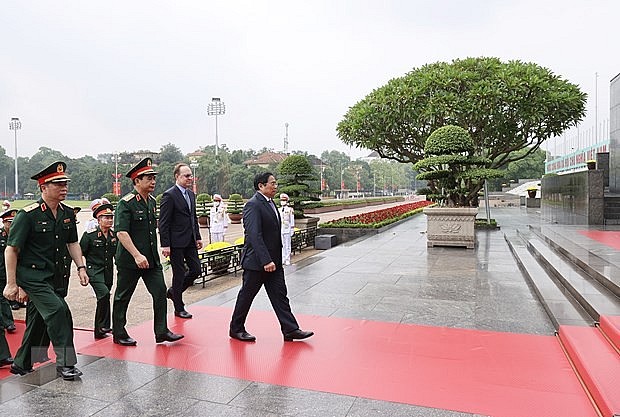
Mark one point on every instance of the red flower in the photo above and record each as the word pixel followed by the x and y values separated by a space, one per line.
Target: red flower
pixel 381 215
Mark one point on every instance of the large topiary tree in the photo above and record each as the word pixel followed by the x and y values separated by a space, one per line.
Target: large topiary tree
pixel 505 106
pixel 295 175
pixel 454 173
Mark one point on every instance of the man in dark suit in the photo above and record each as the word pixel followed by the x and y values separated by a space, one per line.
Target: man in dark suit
pixel 180 236
pixel 262 263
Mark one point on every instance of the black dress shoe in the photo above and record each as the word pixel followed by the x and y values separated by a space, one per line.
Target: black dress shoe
pixel 168 337
pixel 68 373
pixel 101 335
pixel 19 371
pixel 125 341
pixel 105 330
pixel 297 335
pixel 183 314
pixel 243 336
pixel 6 361
pixel 11 328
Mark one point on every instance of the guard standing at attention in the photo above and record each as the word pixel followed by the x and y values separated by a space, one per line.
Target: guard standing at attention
pixel 34 259
pixel 135 224
pixel 98 247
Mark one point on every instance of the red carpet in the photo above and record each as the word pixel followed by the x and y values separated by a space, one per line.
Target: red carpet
pixel 81 338
pixel 610 238
pixel 490 373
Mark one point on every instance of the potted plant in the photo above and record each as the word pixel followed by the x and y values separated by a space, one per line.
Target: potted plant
pixel 295 175
pixel 202 209
pixel 235 208
pixel 531 192
pixel 455 174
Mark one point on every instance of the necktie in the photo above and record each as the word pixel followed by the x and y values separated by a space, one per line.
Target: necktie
pixel 273 206
pixel 189 204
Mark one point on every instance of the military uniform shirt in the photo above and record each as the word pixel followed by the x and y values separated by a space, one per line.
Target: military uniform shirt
pixel 42 241
pixel 137 217
pixel 99 252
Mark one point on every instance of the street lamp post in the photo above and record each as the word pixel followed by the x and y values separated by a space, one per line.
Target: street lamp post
pixel 15 125
pixel 216 108
pixel 117 185
pixel 193 165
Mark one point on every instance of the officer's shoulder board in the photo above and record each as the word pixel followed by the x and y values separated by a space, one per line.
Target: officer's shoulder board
pixel 30 207
pixel 129 196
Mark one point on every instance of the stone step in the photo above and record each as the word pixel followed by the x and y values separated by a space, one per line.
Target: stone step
pixel 559 304
pixel 595 298
pixel 598 265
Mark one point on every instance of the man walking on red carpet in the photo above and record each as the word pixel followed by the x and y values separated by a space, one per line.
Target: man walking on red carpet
pixel 262 263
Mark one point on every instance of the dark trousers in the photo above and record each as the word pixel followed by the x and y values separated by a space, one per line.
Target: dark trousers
pixel 182 277
pixel 48 318
pixel 6 314
pixel 276 291
pixel 4 346
pixel 102 288
pixel 126 282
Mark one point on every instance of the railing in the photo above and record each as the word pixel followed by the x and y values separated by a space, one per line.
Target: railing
pixel 219 262
pixel 302 239
pixel 223 261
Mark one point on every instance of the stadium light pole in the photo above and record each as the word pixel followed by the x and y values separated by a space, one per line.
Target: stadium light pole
pixel 216 108
pixel 15 125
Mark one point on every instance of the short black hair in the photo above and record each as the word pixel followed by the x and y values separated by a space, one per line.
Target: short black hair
pixel 262 178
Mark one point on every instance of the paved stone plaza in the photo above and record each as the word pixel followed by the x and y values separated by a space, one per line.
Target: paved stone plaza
pixel 390 277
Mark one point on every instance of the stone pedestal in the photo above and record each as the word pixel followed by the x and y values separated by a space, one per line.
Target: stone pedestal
pixel 532 202
pixel 324 242
pixel 451 226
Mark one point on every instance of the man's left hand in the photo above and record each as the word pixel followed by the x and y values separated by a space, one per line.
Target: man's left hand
pixel 199 244
pixel 83 277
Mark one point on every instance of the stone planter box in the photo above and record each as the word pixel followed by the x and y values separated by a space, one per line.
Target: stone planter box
pixel 345 234
pixel 306 222
pixel 451 226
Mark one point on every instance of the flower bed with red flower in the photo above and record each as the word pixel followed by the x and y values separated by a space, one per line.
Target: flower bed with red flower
pixel 379 218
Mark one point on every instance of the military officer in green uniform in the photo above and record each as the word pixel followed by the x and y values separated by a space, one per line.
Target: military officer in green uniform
pixel 34 260
pixel 135 224
pixel 98 247
pixel 39 348
pixel 6 313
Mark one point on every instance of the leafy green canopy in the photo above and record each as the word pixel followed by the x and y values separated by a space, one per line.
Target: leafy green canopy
pixel 505 106
pixel 454 173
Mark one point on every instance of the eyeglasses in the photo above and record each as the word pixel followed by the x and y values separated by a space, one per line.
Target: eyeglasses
pixel 273 183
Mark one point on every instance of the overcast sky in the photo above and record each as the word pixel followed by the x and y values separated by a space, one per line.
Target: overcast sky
pixel 88 77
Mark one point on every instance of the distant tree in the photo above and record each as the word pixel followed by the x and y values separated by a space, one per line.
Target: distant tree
pixel 170 153
pixel 505 106
pixel 531 166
